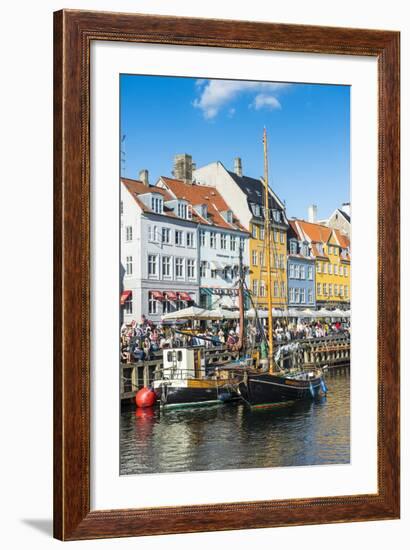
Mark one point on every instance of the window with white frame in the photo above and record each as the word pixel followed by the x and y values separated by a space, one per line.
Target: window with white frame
pixel 152 233
pixel 281 261
pixel 212 239
pixel 341 290
pixel 182 210
pixel 128 233
pixel 214 273
pixel 336 290
pixel 302 296
pixel 331 289
pixel 341 270
pixel 261 259
pixel 310 296
pixel 276 235
pixel 254 257
pixel 190 239
pixel 282 289
pixel 202 237
pixel 345 271
pixel 292 295
pixel 166 267
pixel 156 204
pixel 275 289
pixel 242 243
pixel 310 273
pixel 191 269
pixel 166 306
pixel 179 237
pixel 262 289
pixel 223 241
pixel 254 231
pixel 330 249
pixel 262 233
pixel 297 295
pixel 331 269
pixel 282 237
pixel 166 235
pixel 302 272
pixel 325 289
pixel 325 267
pixel 319 267
pixel 128 305
pixel 255 287
pixel 297 271
pixel 128 265
pixel 293 247
pixel 232 243
pixel 319 289
pixel 346 291
pixel 179 268
pixel 152 304
pixel 152 265
pixel 291 270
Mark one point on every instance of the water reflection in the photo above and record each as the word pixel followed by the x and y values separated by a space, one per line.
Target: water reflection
pixel 232 436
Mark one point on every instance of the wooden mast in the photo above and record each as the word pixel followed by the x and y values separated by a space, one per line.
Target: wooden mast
pixel 267 251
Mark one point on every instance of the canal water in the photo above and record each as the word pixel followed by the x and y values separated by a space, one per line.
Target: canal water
pixel 231 436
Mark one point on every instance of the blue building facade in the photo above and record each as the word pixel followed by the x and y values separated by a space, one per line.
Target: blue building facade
pixel 301 271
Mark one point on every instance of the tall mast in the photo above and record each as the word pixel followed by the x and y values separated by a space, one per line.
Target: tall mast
pixel 267 251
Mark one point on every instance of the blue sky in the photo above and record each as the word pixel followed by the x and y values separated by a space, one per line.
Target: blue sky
pixel 308 130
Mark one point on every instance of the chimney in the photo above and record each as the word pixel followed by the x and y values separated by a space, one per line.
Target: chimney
pixel 312 213
pixel 346 208
pixel 183 168
pixel 238 166
pixel 144 177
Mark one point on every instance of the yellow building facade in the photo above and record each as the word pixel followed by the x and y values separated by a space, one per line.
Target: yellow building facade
pixel 258 273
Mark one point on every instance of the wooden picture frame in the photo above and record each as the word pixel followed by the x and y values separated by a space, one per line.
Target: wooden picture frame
pixel 74 32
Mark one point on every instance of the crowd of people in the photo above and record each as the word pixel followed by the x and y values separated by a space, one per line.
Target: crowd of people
pixel 141 341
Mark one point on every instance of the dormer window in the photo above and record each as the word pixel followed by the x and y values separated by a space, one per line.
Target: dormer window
pixel 182 210
pixel 276 215
pixel 157 204
pixel 229 216
pixel 293 247
pixel 202 210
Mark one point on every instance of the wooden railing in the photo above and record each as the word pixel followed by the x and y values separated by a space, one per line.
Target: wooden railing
pixel 333 351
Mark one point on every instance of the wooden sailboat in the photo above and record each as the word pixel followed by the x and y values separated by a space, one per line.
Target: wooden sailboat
pixel 262 387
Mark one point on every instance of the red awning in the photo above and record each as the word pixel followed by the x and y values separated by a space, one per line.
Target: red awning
pixel 124 295
pixel 171 296
pixel 157 295
pixel 185 297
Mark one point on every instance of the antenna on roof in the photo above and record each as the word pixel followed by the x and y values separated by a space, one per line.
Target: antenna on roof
pixel 122 154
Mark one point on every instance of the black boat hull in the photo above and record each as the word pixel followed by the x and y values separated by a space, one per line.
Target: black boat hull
pixel 259 390
pixel 193 397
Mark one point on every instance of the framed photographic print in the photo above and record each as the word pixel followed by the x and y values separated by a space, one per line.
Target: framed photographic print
pixel 226 288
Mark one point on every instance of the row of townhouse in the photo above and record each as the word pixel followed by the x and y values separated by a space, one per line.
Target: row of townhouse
pixel 180 241
pixel 180 245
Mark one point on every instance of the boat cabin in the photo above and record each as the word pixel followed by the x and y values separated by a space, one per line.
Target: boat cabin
pixel 182 363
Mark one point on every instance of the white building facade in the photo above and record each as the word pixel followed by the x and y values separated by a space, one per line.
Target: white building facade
pixel 159 254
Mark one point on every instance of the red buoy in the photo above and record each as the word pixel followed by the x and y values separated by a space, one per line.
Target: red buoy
pixel 145 397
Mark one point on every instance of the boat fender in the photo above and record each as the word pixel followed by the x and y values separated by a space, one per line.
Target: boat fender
pixel 312 391
pixel 323 385
pixel 145 397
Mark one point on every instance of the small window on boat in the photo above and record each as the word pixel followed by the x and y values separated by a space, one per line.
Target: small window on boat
pixel 179 355
pixel 169 357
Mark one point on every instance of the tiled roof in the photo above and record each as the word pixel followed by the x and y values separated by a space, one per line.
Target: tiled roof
pixel 254 190
pixel 344 214
pixel 136 188
pixel 203 194
pixel 318 234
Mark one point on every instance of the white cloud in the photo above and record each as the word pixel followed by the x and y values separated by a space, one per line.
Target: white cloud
pixel 216 94
pixel 264 100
